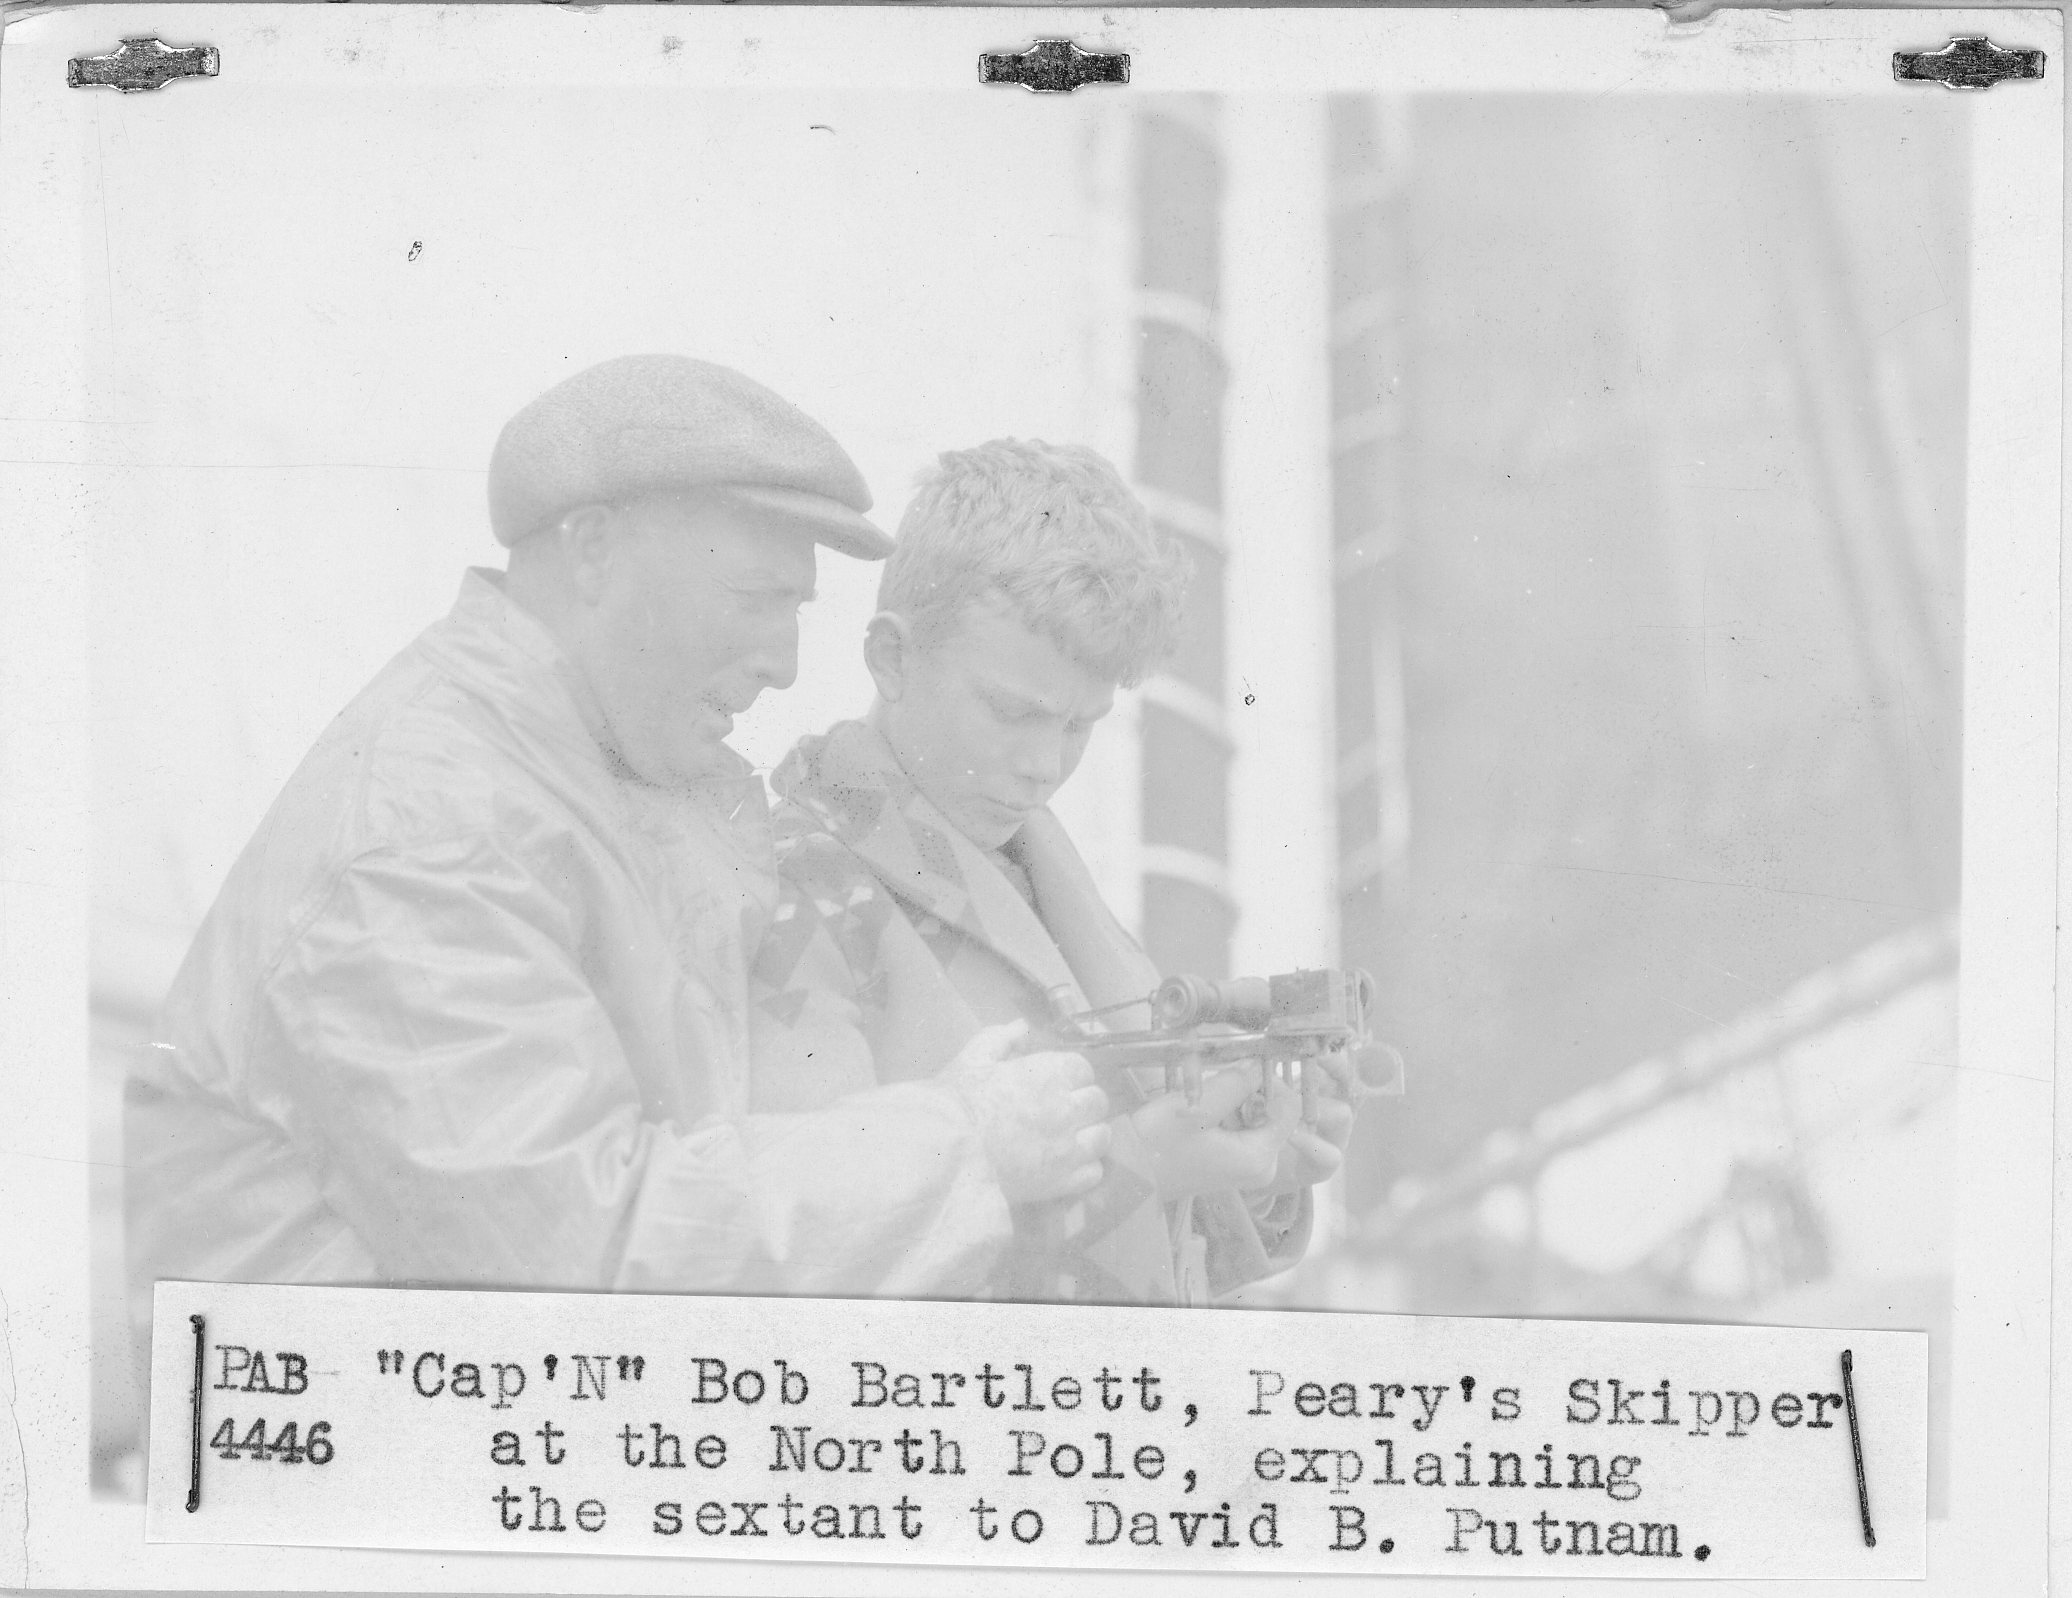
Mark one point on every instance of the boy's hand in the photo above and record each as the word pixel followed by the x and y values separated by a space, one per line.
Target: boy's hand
pixel 1313 1153
pixel 1040 1116
pixel 1191 1153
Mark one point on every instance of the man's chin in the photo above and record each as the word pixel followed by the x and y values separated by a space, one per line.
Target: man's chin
pixel 712 761
pixel 687 767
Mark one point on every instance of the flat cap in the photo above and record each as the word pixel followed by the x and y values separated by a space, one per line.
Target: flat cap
pixel 645 424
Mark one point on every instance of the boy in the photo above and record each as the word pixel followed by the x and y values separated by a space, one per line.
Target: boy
pixel 931 893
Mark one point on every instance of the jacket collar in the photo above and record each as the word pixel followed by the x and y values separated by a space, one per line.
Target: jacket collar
pixel 850 784
pixel 503 656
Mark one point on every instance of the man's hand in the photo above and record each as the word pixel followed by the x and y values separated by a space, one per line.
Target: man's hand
pixel 1039 1116
pixel 1191 1153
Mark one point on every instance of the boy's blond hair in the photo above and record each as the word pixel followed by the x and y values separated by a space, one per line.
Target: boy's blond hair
pixel 1054 532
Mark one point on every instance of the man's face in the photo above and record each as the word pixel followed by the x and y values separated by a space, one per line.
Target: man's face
pixel 990 721
pixel 696 613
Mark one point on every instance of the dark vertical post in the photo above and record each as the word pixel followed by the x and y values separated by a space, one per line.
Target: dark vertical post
pixel 1188 911
pixel 1369 279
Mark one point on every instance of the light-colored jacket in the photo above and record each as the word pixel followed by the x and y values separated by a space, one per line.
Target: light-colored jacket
pixel 471 1009
pixel 897 939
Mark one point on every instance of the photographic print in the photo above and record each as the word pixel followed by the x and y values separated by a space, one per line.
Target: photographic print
pixel 721 660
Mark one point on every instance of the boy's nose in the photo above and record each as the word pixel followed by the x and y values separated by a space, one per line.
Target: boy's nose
pixel 1039 760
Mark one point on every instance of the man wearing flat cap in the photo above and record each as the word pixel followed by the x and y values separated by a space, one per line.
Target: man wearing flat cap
pixel 471 1008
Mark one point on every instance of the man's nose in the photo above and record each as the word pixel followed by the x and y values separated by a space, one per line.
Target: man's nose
pixel 776 661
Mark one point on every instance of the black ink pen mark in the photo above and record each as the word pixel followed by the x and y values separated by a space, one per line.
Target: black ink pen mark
pixel 194 1457
pixel 1863 1491
pixel 1190 1414
pixel 1467 1389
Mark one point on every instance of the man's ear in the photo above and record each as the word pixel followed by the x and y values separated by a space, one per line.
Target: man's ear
pixel 888 653
pixel 589 543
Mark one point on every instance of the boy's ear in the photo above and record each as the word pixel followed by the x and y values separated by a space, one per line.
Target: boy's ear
pixel 888 652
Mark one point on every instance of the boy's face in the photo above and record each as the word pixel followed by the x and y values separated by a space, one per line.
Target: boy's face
pixel 991 720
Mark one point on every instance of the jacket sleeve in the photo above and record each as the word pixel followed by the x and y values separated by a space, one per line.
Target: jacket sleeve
pixel 475 1116
pixel 1248 1239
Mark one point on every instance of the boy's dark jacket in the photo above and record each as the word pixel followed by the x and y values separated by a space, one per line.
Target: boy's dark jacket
pixel 897 939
